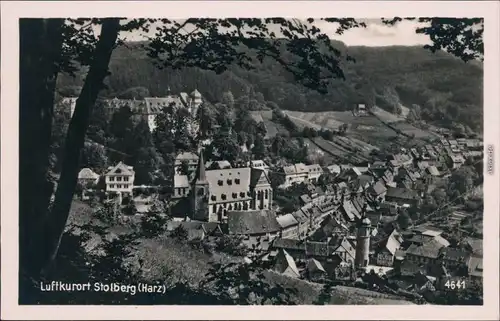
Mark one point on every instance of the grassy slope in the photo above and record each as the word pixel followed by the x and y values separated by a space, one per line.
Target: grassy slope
pixel 308 292
pixel 166 256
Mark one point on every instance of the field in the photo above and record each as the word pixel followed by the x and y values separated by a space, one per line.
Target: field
pixel 409 129
pixel 329 119
pixel 345 148
pixel 360 126
pixel 386 116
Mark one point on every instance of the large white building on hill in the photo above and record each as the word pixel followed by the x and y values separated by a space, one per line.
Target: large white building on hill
pixel 150 107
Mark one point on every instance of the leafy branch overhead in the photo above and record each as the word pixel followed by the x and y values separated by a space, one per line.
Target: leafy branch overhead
pixel 462 37
pixel 299 46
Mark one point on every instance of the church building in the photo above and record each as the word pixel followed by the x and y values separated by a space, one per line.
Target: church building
pixel 215 192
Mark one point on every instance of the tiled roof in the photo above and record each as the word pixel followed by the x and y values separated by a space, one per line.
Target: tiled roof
pixel 476 245
pixel 433 170
pixel 318 249
pixel 186 156
pixel 298 168
pixel 454 254
pixel 441 240
pixel 342 245
pixel 286 220
pixel 314 265
pixel 87 173
pixel 350 210
pixel 252 222
pixel 154 104
pixel 400 254
pixel 420 238
pixel 289 244
pixel 392 243
pixel 409 268
pixel 429 249
pixel 285 261
pixel 300 216
pixel 402 193
pixel 379 188
pixel 120 169
pixel 305 198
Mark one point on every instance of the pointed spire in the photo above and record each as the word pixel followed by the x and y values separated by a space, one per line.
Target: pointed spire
pixel 200 175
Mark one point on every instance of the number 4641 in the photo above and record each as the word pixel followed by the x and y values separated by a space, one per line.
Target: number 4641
pixel 455 284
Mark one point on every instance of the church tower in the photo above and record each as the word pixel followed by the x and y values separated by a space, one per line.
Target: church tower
pixel 200 192
pixel 363 243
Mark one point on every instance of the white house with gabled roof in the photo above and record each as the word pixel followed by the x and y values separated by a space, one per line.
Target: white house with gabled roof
pixel 120 179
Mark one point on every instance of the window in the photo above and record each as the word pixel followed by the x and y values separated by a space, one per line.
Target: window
pixel 242 194
pixel 125 179
pixel 267 194
pixel 214 198
pixel 214 207
pixel 112 186
pixel 229 182
pixel 119 179
pixel 235 195
pixel 237 180
pixel 119 186
pixel 220 182
pixel 111 179
pixel 223 197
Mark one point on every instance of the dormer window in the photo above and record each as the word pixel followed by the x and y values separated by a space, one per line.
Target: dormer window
pixel 237 180
pixel 220 182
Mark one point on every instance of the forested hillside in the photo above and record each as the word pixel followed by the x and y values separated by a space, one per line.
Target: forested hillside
pixel 446 89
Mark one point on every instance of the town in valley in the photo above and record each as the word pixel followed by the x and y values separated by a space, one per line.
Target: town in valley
pixel 387 224
pixel 207 180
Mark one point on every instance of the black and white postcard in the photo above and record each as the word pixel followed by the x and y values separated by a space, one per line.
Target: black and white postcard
pixel 182 159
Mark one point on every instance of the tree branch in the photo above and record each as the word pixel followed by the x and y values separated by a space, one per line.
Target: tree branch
pixel 56 223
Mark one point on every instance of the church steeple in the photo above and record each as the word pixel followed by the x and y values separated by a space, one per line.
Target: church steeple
pixel 201 177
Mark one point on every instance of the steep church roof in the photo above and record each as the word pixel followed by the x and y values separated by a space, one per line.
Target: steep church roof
pixel 201 177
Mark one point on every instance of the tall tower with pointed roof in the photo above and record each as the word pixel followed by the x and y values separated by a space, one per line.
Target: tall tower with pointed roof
pixel 363 243
pixel 201 191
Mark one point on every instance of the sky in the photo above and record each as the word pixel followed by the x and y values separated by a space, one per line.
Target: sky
pixel 375 34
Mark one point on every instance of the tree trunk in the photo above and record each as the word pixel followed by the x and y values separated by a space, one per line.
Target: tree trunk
pixel 40 49
pixel 75 137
